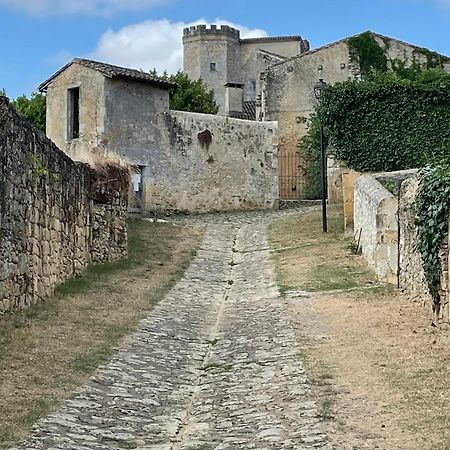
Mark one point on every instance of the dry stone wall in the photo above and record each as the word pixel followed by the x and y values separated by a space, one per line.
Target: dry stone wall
pixel 51 227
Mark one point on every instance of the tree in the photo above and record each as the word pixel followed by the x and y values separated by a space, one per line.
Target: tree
pixel 189 95
pixel 32 109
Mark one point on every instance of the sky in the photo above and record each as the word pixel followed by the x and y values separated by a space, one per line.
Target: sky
pixel 37 37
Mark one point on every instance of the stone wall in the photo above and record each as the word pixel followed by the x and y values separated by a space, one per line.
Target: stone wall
pixel 384 226
pixel 53 220
pixel 412 276
pixel 376 227
pixel 212 163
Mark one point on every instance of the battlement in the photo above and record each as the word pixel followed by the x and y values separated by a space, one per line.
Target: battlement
pixel 223 30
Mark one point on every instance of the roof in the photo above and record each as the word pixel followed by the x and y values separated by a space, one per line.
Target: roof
pixel 272 55
pixel 110 71
pixel 270 39
pixel 248 112
pixel 332 44
pixel 249 109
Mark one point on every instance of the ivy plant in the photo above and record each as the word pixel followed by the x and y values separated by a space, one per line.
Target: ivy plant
pixel 388 124
pixel 432 209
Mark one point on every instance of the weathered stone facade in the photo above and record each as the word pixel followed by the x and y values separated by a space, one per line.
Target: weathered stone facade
pixel 212 163
pixel 219 56
pixel 236 170
pixel 376 227
pixel 52 222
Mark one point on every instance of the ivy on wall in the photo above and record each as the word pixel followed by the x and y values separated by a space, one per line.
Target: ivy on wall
pixel 396 118
pixel 388 125
pixel 365 51
pixel 373 59
pixel 432 207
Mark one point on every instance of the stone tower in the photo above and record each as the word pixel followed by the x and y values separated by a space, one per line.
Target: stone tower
pixel 213 54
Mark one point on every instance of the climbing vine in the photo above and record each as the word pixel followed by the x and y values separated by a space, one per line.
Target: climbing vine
pixel 432 207
pixel 387 125
pixel 368 54
pixel 373 60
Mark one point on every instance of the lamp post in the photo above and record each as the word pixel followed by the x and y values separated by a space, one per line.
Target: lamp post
pixel 323 175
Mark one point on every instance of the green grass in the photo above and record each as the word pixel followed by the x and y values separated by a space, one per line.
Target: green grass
pixel 142 253
pixel 310 260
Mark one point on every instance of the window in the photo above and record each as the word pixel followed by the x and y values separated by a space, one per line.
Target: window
pixel 73 113
pixel 212 67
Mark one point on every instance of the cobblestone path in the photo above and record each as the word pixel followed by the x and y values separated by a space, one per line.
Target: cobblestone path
pixel 214 365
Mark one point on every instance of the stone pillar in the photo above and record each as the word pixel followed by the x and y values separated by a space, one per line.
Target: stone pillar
pixel 334 180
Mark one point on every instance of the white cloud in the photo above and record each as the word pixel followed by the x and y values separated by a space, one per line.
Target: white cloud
pixel 153 44
pixel 87 7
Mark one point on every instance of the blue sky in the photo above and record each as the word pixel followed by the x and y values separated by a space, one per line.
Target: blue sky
pixel 39 36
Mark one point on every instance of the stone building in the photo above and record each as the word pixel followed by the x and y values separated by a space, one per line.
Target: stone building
pixel 185 161
pixel 230 66
pixel 272 79
pixel 287 95
pixel 249 163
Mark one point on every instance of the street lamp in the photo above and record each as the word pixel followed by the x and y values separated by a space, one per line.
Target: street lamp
pixel 318 87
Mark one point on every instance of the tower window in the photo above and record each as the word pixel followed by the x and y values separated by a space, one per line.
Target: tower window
pixel 73 113
pixel 212 67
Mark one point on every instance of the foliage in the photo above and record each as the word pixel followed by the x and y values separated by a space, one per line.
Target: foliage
pixel 434 60
pixel 189 95
pixel 370 57
pixel 309 152
pixel 432 206
pixel 373 59
pixel 395 119
pixel 38 169
pixel 32 109
pixel 388 124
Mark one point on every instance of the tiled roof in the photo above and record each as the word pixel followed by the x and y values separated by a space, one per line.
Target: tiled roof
pixel 249 109
pixel 111 71
pixel 270 39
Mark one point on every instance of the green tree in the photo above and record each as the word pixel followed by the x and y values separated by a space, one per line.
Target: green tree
pixel 189 95
pixel 32 109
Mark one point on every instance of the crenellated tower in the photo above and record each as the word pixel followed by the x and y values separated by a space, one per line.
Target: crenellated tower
pixel 230 66
pixel 213 54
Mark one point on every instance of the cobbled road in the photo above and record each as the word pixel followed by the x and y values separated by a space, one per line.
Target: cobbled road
pixel 213 366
